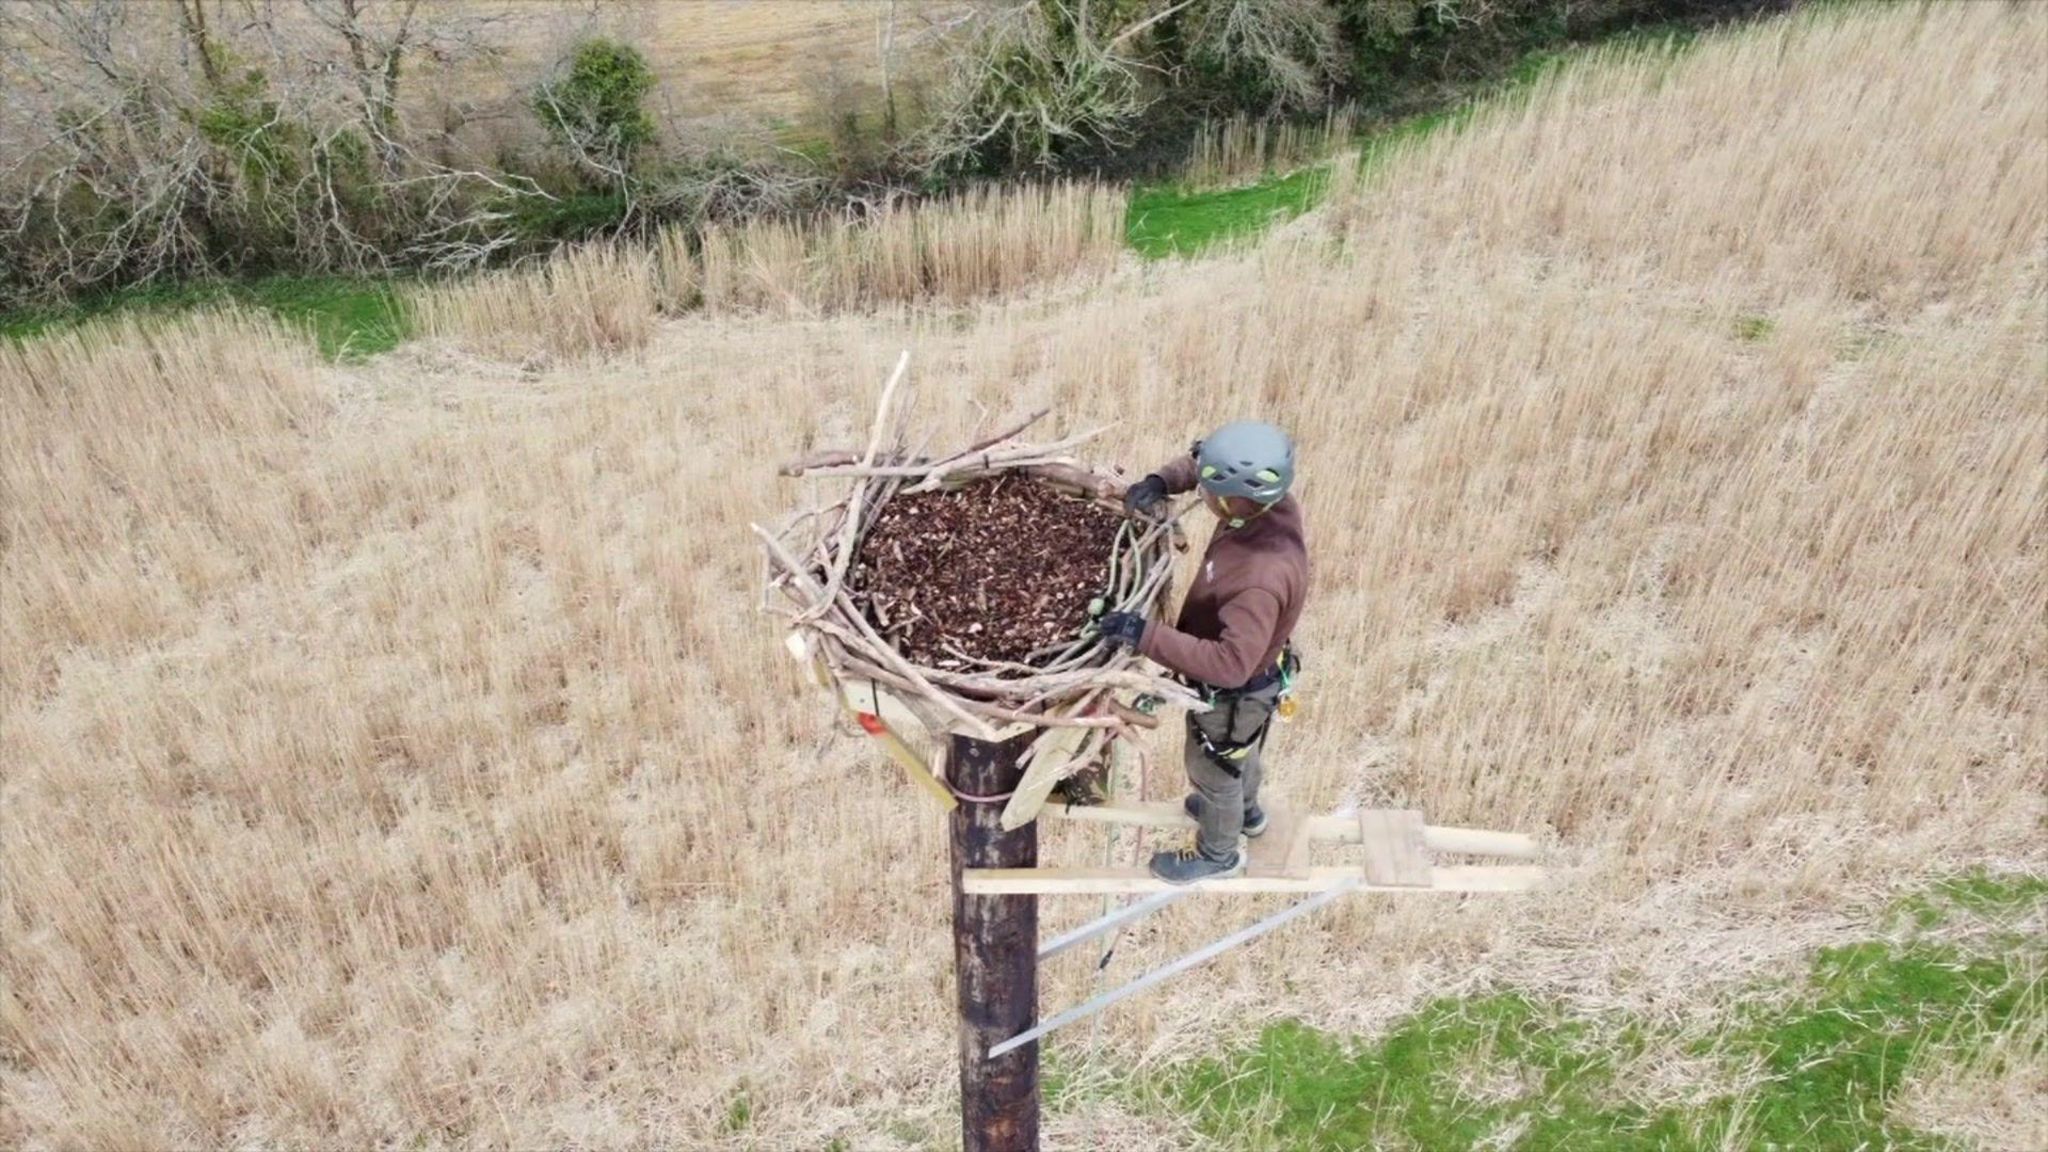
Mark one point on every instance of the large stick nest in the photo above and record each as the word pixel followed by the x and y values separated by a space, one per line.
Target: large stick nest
pixel 969 582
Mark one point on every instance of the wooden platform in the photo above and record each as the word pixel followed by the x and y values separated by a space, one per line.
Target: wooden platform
pixel 1113 881
pixel 1396 843
pixel 1282 850
pixel 1347 829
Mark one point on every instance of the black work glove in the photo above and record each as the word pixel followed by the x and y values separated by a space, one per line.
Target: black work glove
pixel 1145 496
pixel 1125 628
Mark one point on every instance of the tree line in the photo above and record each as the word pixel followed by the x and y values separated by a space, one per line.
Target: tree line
pixel 143 143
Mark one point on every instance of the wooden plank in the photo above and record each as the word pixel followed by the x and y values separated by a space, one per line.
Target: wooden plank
pixel 1282 850
pixel 1115 881
pixel 1051 759
pixel 1003 735
pixel 1297 848
pixel 866 696
pixel 1143 814
pixel 915 769
pixel 1393 848
pixel 1480 842
pixel 880 713
pixel 1340 829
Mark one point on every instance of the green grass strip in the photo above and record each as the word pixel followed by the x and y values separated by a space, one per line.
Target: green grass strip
pixel 1172 221
pixel 347 318
pixel 1510 1071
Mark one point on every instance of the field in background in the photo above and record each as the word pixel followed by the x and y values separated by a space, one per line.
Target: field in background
pixel 1242 177
pixel 763 60
pixel 752 61
pixel 394 754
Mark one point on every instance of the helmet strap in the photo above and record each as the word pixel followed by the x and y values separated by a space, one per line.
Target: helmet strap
pixel 1241 521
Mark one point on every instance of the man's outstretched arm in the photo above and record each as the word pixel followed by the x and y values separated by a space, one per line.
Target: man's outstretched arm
pixel 1179 474
pixel 1249 619
pixel 1146 496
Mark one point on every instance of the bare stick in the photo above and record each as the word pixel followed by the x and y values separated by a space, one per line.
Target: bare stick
pixel 850 535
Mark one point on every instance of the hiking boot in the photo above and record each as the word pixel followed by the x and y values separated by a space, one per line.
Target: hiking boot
pixel 1187 865
pixel 1254 816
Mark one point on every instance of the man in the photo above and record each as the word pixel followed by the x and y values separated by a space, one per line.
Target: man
pixel 1230 642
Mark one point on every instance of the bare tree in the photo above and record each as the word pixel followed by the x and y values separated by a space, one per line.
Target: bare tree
pixel 124 161
pixel 1290 49
pixel 192 17
pixel 1038 81
pixel 379 39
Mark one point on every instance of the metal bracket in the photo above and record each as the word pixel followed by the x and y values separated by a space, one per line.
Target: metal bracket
pixel 1200 956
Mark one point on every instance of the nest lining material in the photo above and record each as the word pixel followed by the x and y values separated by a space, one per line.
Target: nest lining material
pixel 999 572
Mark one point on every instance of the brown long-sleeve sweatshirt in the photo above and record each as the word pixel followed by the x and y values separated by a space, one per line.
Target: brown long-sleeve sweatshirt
pixel 1244 601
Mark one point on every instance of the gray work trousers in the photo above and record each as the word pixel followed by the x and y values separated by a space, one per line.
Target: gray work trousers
pixel 1225 793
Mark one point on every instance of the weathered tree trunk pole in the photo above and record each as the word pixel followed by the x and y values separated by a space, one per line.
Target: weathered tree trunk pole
pixel 995 954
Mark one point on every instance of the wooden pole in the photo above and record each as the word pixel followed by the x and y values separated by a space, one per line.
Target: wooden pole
pixel 995 953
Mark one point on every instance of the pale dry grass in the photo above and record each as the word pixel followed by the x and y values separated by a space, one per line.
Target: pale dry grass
pixel 1994 1098
pixel 984 242
pixel 393 756
pixel 582 303
pixel 603 299
pixel 1243 147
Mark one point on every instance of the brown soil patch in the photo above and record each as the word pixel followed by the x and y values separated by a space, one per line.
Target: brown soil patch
pixel 993 570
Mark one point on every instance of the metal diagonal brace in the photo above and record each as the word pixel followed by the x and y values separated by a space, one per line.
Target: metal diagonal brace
pixel 1088 1008
pixel 1108 923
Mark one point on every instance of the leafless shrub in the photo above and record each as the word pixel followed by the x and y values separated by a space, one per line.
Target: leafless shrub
pixel 1287 52
pixel 1037 82
pixel 147 142
pixel 719 184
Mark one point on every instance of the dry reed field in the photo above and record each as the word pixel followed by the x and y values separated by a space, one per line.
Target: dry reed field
pixel 394 756
pixel 604 299
pixel 1240 149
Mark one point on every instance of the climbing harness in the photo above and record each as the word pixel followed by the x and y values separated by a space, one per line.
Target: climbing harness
pixel 1230 756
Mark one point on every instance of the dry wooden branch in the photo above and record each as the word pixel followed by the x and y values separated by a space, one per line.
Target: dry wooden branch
pixel 849 537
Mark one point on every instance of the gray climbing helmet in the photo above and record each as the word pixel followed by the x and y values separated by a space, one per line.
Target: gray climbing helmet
pixel 1247 459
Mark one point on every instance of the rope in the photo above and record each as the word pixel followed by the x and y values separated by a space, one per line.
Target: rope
pixel 972 798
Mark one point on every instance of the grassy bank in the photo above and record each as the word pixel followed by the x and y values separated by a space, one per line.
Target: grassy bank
pixel 346 318
pixel 1173 219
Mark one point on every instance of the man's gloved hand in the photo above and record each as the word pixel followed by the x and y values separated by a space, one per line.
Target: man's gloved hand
pixel 1145 497
pixel 1125 628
